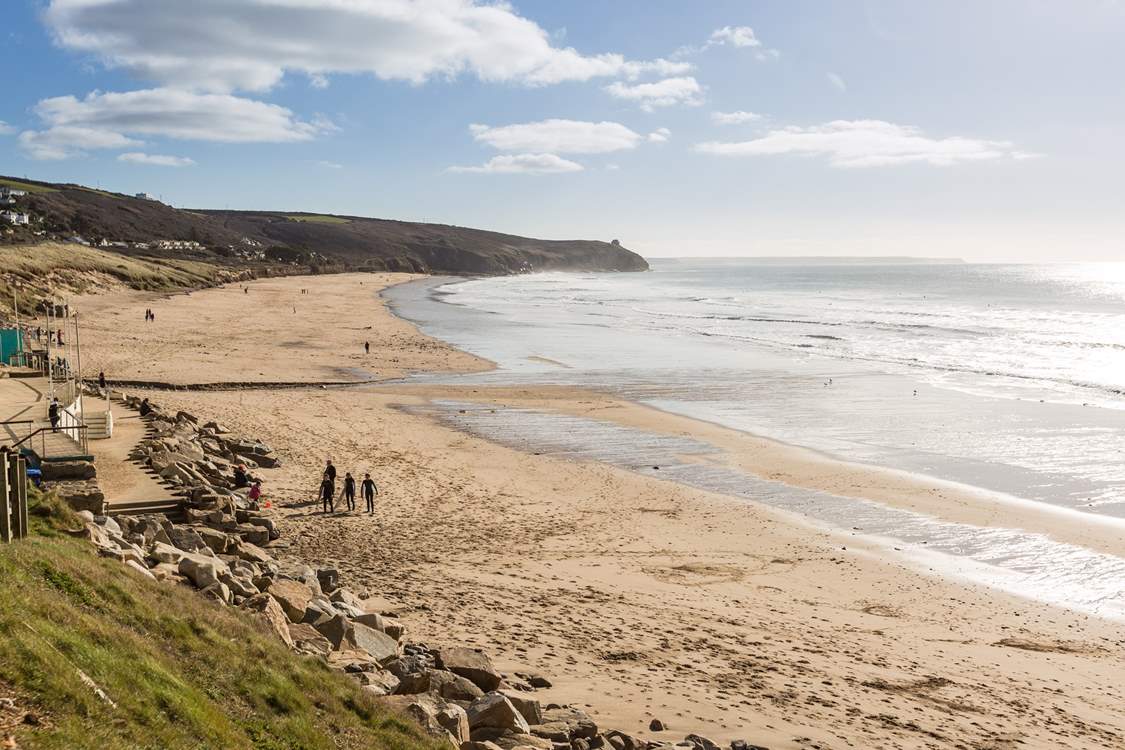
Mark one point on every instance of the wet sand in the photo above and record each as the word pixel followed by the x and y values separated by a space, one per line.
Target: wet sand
pixel 640 597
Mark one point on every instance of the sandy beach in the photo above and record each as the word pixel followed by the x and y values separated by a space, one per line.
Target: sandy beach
pixel 639 597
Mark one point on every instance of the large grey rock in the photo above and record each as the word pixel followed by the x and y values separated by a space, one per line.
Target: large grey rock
pixel 495 711
pixel 293 596
pixel 472 665
pixel 273 614
pixel 186 539
pixel 452 687
pixel 529 708
pixel 564 724
pixel 238 585
pixel 337 630
pixel 202 571
pixel 381 646
pixel 454 720
pixel 308 639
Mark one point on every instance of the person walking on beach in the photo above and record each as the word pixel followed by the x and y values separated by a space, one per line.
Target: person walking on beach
pixel 366 347
pixel 369 492
pixel 53 414
pixel 349 490
pixel 327 494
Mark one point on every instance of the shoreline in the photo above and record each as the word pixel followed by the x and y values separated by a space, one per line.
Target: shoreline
pixel 638 597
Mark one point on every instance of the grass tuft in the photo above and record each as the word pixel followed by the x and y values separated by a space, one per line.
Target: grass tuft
pixel 182 672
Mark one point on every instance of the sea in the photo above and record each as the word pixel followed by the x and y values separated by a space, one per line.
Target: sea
pixel 1008 378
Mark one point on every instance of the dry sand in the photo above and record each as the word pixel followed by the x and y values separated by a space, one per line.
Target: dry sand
pixel 638 597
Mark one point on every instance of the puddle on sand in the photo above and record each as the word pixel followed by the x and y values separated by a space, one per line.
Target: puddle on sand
pixel 1023 563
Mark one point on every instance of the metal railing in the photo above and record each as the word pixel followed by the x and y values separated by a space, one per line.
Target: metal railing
pixel 13 496
pixel 43 451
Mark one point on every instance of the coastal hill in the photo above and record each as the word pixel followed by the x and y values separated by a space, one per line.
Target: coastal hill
pixel 142 226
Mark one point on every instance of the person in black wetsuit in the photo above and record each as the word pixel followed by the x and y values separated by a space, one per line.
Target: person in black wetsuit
pixel 53 413
pixel 328 494
pixel 367 486
pixel 330 470
pixel 349 490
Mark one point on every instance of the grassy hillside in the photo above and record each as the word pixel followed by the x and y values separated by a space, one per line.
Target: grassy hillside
pixel 181 671
pixel 61 268
pixel 310 240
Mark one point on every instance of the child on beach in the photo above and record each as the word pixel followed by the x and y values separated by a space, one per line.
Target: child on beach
pixel 255 490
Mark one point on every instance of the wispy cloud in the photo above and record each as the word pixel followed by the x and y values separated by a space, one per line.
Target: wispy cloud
pixel 6 129
pixel 660 135
pixel 155 160
pixel 666 93
pixel 328 164
pixel 734 118
pixel 109 120
pixel 558 136
pixel 524 164
pixel 734 36
pixel 867 143
pixel 837 82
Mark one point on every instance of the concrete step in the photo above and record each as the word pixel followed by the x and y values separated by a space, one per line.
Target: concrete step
pixel 171 507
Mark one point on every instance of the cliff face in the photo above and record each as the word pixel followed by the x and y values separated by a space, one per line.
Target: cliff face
pixel 326 241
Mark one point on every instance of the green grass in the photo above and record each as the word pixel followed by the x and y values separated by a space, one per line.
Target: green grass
pixel 318 218
pixel 17 185
pixel 183 672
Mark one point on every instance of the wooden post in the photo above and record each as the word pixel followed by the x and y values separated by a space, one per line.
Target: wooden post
pixel 21 497
pixel 5 503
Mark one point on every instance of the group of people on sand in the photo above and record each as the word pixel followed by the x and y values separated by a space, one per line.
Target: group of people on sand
pixel 150 316
pixel 347 490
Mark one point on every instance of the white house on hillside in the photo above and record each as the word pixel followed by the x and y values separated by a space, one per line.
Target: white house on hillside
pixel 15 217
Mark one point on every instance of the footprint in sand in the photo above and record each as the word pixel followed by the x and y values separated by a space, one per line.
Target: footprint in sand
pixel 882 610
pixel 698 574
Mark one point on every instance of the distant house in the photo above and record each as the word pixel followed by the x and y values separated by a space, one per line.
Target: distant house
pixel 15 217
pixel 178 245
pixel 113 243
pixel 8 196
pixel 146 197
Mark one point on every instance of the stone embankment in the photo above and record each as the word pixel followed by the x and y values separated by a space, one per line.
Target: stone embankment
pixel 225 548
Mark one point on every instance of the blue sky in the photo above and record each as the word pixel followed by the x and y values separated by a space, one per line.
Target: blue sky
pixel 985 130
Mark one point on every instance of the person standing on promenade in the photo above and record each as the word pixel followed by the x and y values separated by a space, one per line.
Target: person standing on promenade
pixel 369 492
pixel 328 494
pixel 349 490
pixel 53 413
pixel 101 381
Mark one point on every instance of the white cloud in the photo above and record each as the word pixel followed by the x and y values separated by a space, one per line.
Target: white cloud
pixel 109 120
pixel 837 81
pixel 6 129
pixel 63 142
pixel 155 160
pixel 734 118
pixel 558 136
pixel 737 36
pixel 660 135
pixel 524 164
pixel 866 143
pixel 328 164
pixel 224 45
pixel 665 93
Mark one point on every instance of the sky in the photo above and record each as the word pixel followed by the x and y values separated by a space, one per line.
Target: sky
pixel 990 130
